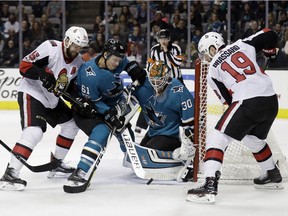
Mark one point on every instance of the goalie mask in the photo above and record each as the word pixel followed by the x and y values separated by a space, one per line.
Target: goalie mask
pixel 159 75
pixel 209 45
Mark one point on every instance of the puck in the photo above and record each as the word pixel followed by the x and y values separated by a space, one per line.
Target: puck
pixel 149 182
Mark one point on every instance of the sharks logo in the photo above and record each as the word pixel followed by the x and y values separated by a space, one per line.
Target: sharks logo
pixel 155 118
pixel 90 72
pixel 118 87
pixel 177 89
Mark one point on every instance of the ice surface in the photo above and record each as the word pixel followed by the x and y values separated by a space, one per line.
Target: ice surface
pixel 116 191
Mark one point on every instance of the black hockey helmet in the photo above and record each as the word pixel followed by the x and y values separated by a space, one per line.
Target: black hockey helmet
pixel 114 47
pixel 164 33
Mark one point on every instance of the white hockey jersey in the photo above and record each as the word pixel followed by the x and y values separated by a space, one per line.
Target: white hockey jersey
pixel 235 67
pixel 51 52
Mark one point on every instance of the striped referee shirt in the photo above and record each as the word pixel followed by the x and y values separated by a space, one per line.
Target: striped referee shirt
pixel 172 58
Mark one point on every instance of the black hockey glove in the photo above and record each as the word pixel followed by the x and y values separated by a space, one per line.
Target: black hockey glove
pixel 47 78
pixel 84 108
pixel 135 72
pixel 271 53
pixel 113 120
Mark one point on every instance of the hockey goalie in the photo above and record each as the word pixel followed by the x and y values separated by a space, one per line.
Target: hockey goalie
pixel 166 152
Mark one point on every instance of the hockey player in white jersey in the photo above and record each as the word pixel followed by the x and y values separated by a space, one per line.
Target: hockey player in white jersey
pixel 51 66
pixel 238 81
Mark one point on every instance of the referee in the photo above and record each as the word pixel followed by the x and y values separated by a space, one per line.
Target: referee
pixel 168 52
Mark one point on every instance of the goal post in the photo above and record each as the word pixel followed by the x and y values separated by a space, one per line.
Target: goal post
pixel 239 165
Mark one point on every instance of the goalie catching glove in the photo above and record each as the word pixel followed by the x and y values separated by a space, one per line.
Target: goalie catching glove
pixel 187 149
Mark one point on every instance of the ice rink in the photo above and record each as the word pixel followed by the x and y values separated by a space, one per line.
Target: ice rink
pixel 116 191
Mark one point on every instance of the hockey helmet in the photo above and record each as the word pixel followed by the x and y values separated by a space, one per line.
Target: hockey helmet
pixel 114 47
pixel 164 33
pixel 207 41
pixel 76 35
pixel 159 75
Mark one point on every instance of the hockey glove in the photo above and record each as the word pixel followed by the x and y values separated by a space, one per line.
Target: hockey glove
pixel 113 120
pixel 135 72
pixel 187 149
pixel 47 78
pixel 86 109
pixel 271 53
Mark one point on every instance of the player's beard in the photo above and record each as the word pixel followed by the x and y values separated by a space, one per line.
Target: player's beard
pixel 71 55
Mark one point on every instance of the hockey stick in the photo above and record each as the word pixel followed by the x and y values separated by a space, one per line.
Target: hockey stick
pixel 70 97
pixel 41 168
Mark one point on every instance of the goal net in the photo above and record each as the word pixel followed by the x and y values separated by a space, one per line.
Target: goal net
pixel 239 165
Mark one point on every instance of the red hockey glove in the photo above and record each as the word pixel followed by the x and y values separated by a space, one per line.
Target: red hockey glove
pixel 271 53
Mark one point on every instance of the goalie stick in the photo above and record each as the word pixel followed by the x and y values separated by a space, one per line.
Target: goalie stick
pixel 131 151
pixel 40 168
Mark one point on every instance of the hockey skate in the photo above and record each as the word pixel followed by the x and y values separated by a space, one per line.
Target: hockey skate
pixel 207 192
pixel 11 181
pixel 271 180
pixel 76 178
pixel 62 171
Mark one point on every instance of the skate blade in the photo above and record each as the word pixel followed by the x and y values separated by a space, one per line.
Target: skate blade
pixel 11 187
pixel 58 175
pixel 203 198
pixel 270 186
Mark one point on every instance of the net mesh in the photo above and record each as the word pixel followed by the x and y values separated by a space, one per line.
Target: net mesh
pixel 239 165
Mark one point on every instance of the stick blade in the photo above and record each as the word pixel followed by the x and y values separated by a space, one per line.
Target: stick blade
pixel 76 189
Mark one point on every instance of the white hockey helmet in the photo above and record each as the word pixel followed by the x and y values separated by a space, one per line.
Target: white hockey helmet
pixel 76 35
pixel 207 40
pixel 159 75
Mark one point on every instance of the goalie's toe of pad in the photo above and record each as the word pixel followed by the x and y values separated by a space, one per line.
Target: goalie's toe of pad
pixel 201 198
